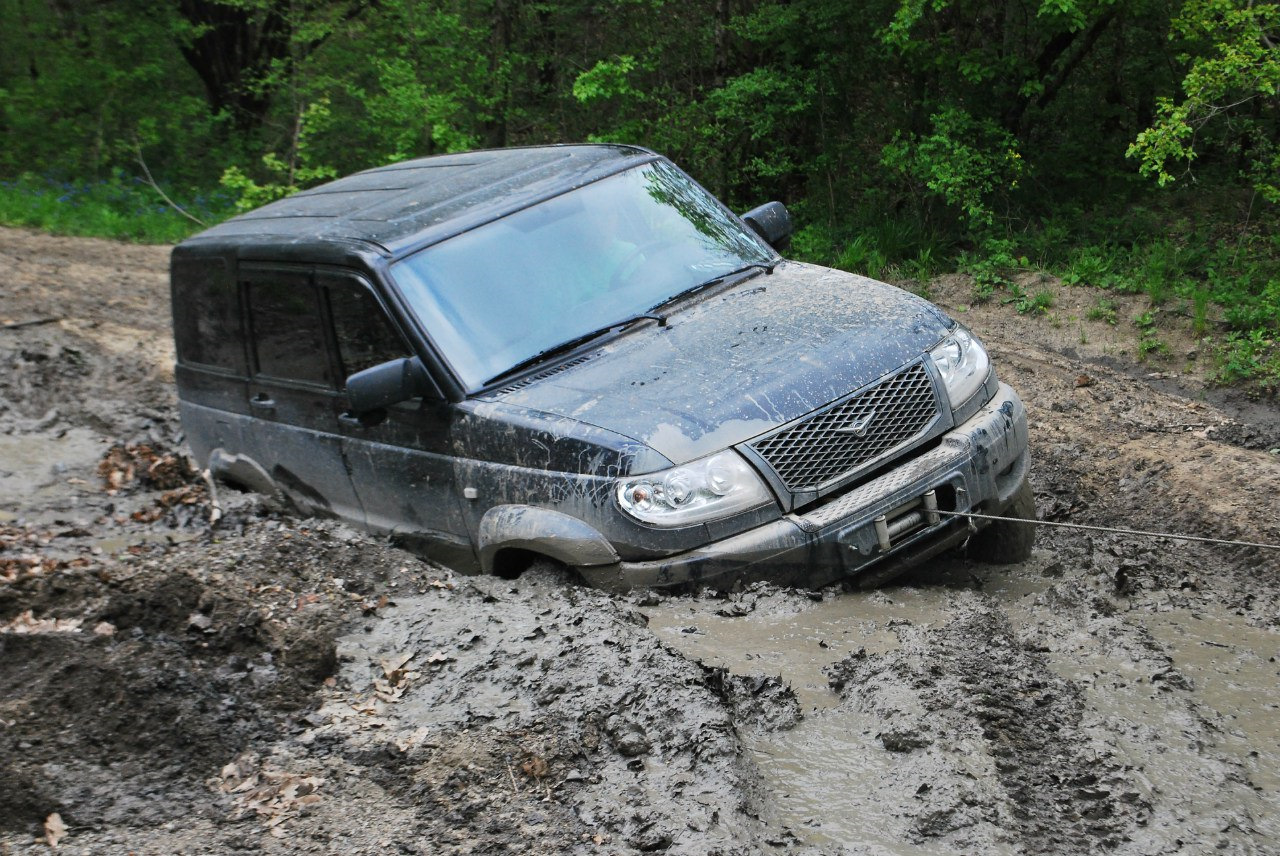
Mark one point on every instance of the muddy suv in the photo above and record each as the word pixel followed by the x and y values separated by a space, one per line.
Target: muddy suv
pixel 576 354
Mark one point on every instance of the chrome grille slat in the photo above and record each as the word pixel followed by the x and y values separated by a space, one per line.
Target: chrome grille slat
pixel 826 446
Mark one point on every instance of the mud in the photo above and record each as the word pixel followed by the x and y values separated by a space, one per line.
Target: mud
pixel 275 684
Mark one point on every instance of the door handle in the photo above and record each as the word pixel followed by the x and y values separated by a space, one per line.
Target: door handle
pixel 372 419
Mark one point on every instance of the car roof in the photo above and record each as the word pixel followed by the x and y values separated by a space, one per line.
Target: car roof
pixel 403 206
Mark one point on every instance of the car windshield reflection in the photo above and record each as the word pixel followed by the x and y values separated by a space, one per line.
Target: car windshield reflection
pixel 498 295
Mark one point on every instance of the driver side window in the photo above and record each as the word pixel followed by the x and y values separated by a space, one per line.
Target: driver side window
pixel 364 334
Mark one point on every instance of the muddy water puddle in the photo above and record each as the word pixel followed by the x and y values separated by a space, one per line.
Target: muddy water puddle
pixel 1187 700
pixel 1212 748
pixel 35 469
pixel 1190 701
pixel 1233 670
pixel 823 778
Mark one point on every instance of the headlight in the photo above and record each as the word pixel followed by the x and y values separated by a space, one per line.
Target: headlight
pixel 963 364
pixel 707 489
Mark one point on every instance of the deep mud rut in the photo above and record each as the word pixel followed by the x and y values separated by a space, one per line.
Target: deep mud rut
pixel 283 685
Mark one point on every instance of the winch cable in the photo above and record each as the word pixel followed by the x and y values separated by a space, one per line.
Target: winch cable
pixel 1110 529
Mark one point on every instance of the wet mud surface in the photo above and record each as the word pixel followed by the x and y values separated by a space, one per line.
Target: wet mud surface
pixel 275 684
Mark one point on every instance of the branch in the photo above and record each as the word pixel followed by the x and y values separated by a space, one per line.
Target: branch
pixel 175 206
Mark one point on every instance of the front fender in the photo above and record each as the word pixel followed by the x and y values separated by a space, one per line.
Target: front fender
pixel 540 530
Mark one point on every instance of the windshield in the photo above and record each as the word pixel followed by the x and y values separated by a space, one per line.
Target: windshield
pixel 507 291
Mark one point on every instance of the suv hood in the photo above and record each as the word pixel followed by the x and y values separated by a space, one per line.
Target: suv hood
pixel 741 362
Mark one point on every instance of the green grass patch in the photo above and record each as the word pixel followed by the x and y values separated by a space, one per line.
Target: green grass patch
pixel 1103 310
pixel 1251 358
pixel 119 208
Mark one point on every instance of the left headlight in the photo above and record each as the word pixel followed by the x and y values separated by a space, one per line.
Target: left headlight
pixel 963 364
pixel 707 489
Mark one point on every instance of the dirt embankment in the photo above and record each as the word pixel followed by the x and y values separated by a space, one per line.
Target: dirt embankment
pixel 283 685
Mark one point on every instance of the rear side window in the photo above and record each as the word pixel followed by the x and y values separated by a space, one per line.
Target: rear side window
pixel 288 335
pixel 206 315
pixel 361 329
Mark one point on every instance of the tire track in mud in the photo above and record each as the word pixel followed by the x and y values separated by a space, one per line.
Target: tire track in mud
pixel 993 737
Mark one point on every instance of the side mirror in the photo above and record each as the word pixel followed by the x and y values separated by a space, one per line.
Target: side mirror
pixel 386 384
pixel 772 222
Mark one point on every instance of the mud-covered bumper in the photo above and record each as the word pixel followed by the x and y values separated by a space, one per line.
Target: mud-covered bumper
pixel 976 467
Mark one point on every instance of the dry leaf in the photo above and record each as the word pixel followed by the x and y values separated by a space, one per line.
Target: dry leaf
pixel 535 767
pixel 304 600
pixel 393 665
pixel 54 829
pixel 104 628
pixel 28 623
pixel 439 657
pixel 413 738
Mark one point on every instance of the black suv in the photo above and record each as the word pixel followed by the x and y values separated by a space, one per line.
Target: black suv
pixel 577 354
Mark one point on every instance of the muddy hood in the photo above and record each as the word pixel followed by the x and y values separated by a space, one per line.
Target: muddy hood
pixel 744 361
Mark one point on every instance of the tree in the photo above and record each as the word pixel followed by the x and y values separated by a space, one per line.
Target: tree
pixel 1231 94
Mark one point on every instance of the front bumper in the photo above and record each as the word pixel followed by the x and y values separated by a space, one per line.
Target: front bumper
pixel 977 467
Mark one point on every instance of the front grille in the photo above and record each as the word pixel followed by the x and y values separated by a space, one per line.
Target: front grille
pixel 831 444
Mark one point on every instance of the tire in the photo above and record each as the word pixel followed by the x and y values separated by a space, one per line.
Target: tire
pixel 1005 542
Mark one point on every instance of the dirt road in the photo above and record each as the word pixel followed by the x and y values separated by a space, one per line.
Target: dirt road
pixel 282 685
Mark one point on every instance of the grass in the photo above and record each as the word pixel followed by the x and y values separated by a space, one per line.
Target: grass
pixel 119 208
pixel 1103 310
pixel 1226 278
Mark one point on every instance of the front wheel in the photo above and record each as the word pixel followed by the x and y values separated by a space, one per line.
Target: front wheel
pixel 1006 542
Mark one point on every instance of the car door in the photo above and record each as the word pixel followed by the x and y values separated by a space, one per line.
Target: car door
pixel 293 392
pixel 400 459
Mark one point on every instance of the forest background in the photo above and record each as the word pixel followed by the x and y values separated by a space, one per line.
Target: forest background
pixel 1127 145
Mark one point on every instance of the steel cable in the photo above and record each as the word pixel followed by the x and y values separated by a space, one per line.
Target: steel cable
pixel 1113 530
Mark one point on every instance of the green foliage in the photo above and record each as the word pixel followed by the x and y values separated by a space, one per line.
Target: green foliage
pixel 116 207
pixel 1029 304
pixel 606 79
pixel 1149 343
pixel 991 267
pixel 964 160
pixel 1103 310
pixel 1232 82
pixel 1252 357
pixel 284 176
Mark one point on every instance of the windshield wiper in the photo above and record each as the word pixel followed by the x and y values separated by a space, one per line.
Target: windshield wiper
pixel 575 342
pixel 767 267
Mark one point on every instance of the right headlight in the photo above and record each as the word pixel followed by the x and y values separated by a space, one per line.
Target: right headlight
pixel 706 489
pixel 963 364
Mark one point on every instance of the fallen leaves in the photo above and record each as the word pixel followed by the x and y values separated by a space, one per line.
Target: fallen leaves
pixel 29 562
pixel 123 465
pixel 369 607
pixel 27 623
pixel 274 795
pixel 396 677
pixel 189 494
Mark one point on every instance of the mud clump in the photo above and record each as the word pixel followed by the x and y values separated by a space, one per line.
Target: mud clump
pixel 139 680
pixel 637 743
